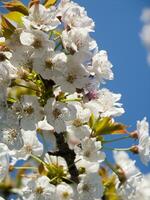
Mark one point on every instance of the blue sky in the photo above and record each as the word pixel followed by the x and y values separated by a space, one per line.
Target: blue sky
pixel 117 30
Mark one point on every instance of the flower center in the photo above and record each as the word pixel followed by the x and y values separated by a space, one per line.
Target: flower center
pixel 56 113
pixel 77 123
pixel 28 148
pixel 48 64
pixel 2 57
pixel 28 110
pixel 29 63
pixel 71 78
pixel 87 153
pixel 56 173
pixel 39 190
pixel 92 95
pixel 85 188
pixel 13 133
pixel 65 195
pixel 37 44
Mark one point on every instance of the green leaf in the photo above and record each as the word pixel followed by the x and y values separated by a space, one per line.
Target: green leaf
pixel 91 121
pixel 15 17
pixel 107 126
pixel 12 100
pixel 49 3
pixel 101 124
pixel 7 29
pixel 16 5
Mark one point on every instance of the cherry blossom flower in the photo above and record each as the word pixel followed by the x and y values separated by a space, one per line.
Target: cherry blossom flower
pixel 41 18
pixel 90 187
pixel 4 161
pixel 31 146
pixel 39 188
pixel 105 104
pixel 53 104
pixel 144 141
pixel 58 113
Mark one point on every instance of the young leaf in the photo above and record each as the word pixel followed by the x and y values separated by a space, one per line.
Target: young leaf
pixel 109 182
pixel 91 121
pixel 11 100
pixel 107 126
pixel 16 5
pixel 6 27
pixel 15 16
pixel 49 3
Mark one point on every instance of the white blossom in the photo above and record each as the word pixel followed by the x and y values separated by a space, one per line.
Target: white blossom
pixel 101 66
pixel 31 146
pixel 38 40
pixel 64 192
pixel 76 77
pixel 51 64
pixel 90 151
pixel 105 104
pixel 7 70
pixel 58 113
pixel 51 105
pixel 30 111
pixel 77 39
pixel 10 132
pixel 4 161
pixel 78 128
pixel 130 176
pixel 144 141
pixel 41 18
pixel 76 16
pixel 90 187
pixel 39 188
pixel 142 191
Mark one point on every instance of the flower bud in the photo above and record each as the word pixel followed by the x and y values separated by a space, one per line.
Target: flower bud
pixel 134 135
pixel 134 149
pixel 121 175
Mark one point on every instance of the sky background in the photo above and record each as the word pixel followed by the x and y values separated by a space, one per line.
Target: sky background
pixel 117 28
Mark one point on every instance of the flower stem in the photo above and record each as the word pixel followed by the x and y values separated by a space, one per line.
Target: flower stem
pixel 19 85
pixel 111 167
pixel 30 168
pixel 58 45
pixel 68 100
pixel 37 159
pixel 115 140
pixel 117 149
pixel 44 141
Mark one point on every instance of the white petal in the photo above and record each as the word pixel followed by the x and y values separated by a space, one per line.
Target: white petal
pixel 26 38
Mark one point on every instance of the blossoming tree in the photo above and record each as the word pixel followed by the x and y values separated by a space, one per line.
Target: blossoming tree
pixel 55 113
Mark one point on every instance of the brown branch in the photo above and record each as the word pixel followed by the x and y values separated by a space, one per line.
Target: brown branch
pixel 67 154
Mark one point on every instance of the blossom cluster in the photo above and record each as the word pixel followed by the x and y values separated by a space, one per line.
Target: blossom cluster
pixel 145 33
pixel 55 111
